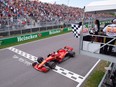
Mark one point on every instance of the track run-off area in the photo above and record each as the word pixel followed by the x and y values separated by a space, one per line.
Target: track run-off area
pixel 16 69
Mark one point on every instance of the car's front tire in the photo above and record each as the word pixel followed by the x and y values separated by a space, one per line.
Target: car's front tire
pixel 51 65
pixel 40 59
pixel 33 64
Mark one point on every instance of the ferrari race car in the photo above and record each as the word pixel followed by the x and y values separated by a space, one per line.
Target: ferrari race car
pixel 44 65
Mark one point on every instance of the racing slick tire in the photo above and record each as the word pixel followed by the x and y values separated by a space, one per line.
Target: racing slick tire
pixel 51 65
pixel 33 64
pixel 40 59
pixel 71 54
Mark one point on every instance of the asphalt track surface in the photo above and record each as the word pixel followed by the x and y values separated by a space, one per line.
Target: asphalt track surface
pixel 16 69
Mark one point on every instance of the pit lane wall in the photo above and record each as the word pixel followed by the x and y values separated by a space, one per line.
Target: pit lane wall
pixel 7 41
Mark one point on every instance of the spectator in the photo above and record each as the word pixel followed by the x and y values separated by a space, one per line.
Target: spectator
pixel 110 31
pixel 96 26
pixel 42 12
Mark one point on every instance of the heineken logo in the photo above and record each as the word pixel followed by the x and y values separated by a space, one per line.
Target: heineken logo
pixel 54 31
pixel 23 38
pixel 69 29
pixel 39 35
pixel 1 42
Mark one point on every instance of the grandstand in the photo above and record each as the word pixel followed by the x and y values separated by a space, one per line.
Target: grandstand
pixel 23 14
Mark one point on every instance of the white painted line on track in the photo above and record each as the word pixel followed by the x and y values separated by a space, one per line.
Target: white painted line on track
pixel 88 73
pixel 24 54
pixel 69 74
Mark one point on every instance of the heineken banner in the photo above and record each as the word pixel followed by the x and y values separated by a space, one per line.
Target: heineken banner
pixel 26 37
pixel 0 42
pixel 21 38
pixel 8 41
pixel 54 32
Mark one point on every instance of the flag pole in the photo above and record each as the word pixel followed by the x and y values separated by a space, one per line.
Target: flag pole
pixel 81 34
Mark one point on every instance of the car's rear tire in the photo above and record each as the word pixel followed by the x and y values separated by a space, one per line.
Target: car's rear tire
pixel 71 54
pixel 33 64
pixel 40 59
pixel 51 65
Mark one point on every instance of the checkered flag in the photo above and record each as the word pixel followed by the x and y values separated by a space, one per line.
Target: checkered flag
pixel 75 30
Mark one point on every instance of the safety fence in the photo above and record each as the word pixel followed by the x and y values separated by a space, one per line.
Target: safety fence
pixel 6 41
pixel 10 29
pixel 36 32
pixel 107 78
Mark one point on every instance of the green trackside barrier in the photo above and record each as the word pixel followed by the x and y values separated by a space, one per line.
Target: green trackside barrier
pixel 6 41
pixel 27 37
pixel 11 40
pixel 67 29
pixel 55 31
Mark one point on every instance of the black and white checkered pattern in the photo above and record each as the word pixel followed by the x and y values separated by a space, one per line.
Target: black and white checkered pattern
pixel 75 30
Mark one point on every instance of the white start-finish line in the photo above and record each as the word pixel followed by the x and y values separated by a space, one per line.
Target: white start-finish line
pixel 69 74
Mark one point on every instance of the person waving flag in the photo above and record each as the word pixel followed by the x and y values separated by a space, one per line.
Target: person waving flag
pixel 77 29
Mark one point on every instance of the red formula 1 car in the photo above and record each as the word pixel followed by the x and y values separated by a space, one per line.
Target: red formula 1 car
pixel 44 65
